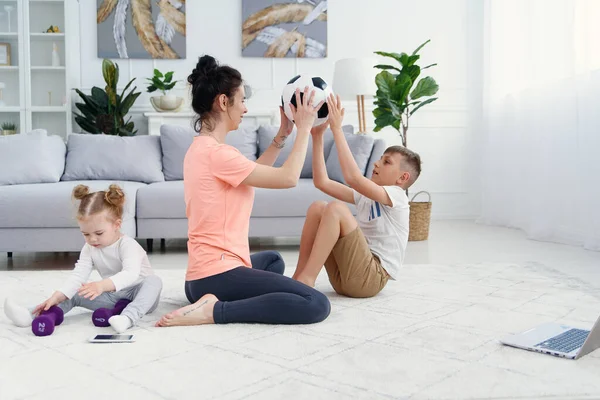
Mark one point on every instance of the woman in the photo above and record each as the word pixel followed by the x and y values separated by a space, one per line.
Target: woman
pixel 223 282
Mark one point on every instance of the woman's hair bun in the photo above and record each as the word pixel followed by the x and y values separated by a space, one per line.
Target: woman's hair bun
pixel 206 67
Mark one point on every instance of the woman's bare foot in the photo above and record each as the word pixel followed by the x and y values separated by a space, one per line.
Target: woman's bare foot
pixel 199 313
pixel 307 281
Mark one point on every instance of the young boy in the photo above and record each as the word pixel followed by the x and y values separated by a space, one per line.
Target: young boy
pixel 361 254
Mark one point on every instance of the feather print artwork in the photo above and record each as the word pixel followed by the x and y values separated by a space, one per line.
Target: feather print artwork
pixel 282 44
pixel 284 28
pixel 304 47
pixel 270 34
pixel 127 28
pixel 164 30
pixel 105 9
pixel 314 14
pixel 142 22
pixel 119 28
pixel 315 49
pixel 175 17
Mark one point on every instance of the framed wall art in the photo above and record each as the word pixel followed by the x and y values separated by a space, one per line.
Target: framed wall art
pixel 284 28
pixel 141 29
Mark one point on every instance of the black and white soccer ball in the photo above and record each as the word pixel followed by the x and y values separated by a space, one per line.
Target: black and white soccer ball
pixel 322 92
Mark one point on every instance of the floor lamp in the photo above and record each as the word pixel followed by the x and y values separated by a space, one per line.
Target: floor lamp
pixel 355 78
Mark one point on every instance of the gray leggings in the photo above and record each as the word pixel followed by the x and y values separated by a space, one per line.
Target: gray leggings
pixel 260 294
pixel 144 299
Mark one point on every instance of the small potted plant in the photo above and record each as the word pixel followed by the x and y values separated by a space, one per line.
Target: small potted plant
pixel 164 83
pixel 9 128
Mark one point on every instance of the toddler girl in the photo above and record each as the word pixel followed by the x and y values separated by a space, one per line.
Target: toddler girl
pixel 128 289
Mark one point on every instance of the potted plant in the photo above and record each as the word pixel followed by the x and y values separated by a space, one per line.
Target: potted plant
pixel 9 128
pixel 400 93
pixel 104 111
pixel 164 83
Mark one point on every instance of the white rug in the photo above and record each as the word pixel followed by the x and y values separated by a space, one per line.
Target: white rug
pixel 431 334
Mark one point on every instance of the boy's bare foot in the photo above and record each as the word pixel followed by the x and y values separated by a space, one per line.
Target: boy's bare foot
pixel 199 313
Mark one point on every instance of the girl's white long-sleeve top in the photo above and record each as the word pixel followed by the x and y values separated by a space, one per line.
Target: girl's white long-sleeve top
pixel 124 262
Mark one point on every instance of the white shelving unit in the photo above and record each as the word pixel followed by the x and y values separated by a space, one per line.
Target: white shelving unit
pixel 12 76
pixel 37 94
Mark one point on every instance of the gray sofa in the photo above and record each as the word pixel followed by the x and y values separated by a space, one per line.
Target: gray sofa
pixel 38 173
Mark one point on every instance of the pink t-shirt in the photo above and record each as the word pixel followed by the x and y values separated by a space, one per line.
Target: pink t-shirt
pixel 218 208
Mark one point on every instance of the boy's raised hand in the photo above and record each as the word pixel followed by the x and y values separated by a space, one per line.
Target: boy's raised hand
pixel 319 130
pixel 336 112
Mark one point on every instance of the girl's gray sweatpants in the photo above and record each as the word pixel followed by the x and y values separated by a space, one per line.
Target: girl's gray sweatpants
pixel 144 299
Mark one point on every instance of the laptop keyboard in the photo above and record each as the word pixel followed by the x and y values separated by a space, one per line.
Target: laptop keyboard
pixel 565 342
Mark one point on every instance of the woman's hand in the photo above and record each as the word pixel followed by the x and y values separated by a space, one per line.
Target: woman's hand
pixel 305 113
pixel 336 112
pixel 286 126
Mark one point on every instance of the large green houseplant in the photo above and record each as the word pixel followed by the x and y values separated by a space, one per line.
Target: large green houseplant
pixel 104 111
pixel 400 93
pixel 396 100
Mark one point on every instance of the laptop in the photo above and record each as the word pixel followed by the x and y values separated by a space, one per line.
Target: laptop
pixel 557 340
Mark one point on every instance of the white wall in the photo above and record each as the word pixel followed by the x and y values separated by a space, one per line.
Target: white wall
pixel 356 28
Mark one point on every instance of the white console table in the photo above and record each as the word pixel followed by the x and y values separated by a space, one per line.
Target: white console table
pixel 156 119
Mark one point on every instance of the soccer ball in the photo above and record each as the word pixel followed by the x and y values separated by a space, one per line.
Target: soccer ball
pixel 322 92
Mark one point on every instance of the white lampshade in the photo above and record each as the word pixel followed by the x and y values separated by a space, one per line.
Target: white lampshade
pixel 355 76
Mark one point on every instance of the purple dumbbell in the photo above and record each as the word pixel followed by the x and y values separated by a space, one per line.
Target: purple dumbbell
pixel 100 316
pixel 44 324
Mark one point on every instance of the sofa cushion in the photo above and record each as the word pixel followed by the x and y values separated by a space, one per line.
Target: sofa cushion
pixel 266 133
pixel 245 139
pixel 50 205
pixel 161 200
pixel 176 140
pixel 31 158
pixel 361 147
pixel 293 202
pixel 98 157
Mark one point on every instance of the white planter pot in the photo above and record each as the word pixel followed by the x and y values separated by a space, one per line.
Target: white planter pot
pixel 168 102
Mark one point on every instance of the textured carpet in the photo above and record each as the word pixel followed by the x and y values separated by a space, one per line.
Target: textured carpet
pixel 431 334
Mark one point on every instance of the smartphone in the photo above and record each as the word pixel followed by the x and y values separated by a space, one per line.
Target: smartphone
pixel 112 339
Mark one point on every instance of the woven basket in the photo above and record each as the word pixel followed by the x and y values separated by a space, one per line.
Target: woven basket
pixel 420 216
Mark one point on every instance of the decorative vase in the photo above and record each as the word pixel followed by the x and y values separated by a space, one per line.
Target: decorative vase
pixel 55 56
pixel 2 86
pixel 8 10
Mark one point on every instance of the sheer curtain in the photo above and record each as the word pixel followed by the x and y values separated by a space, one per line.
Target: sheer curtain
pixel 541 119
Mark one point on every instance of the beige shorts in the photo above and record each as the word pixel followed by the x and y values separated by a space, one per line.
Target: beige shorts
pixel 353 270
